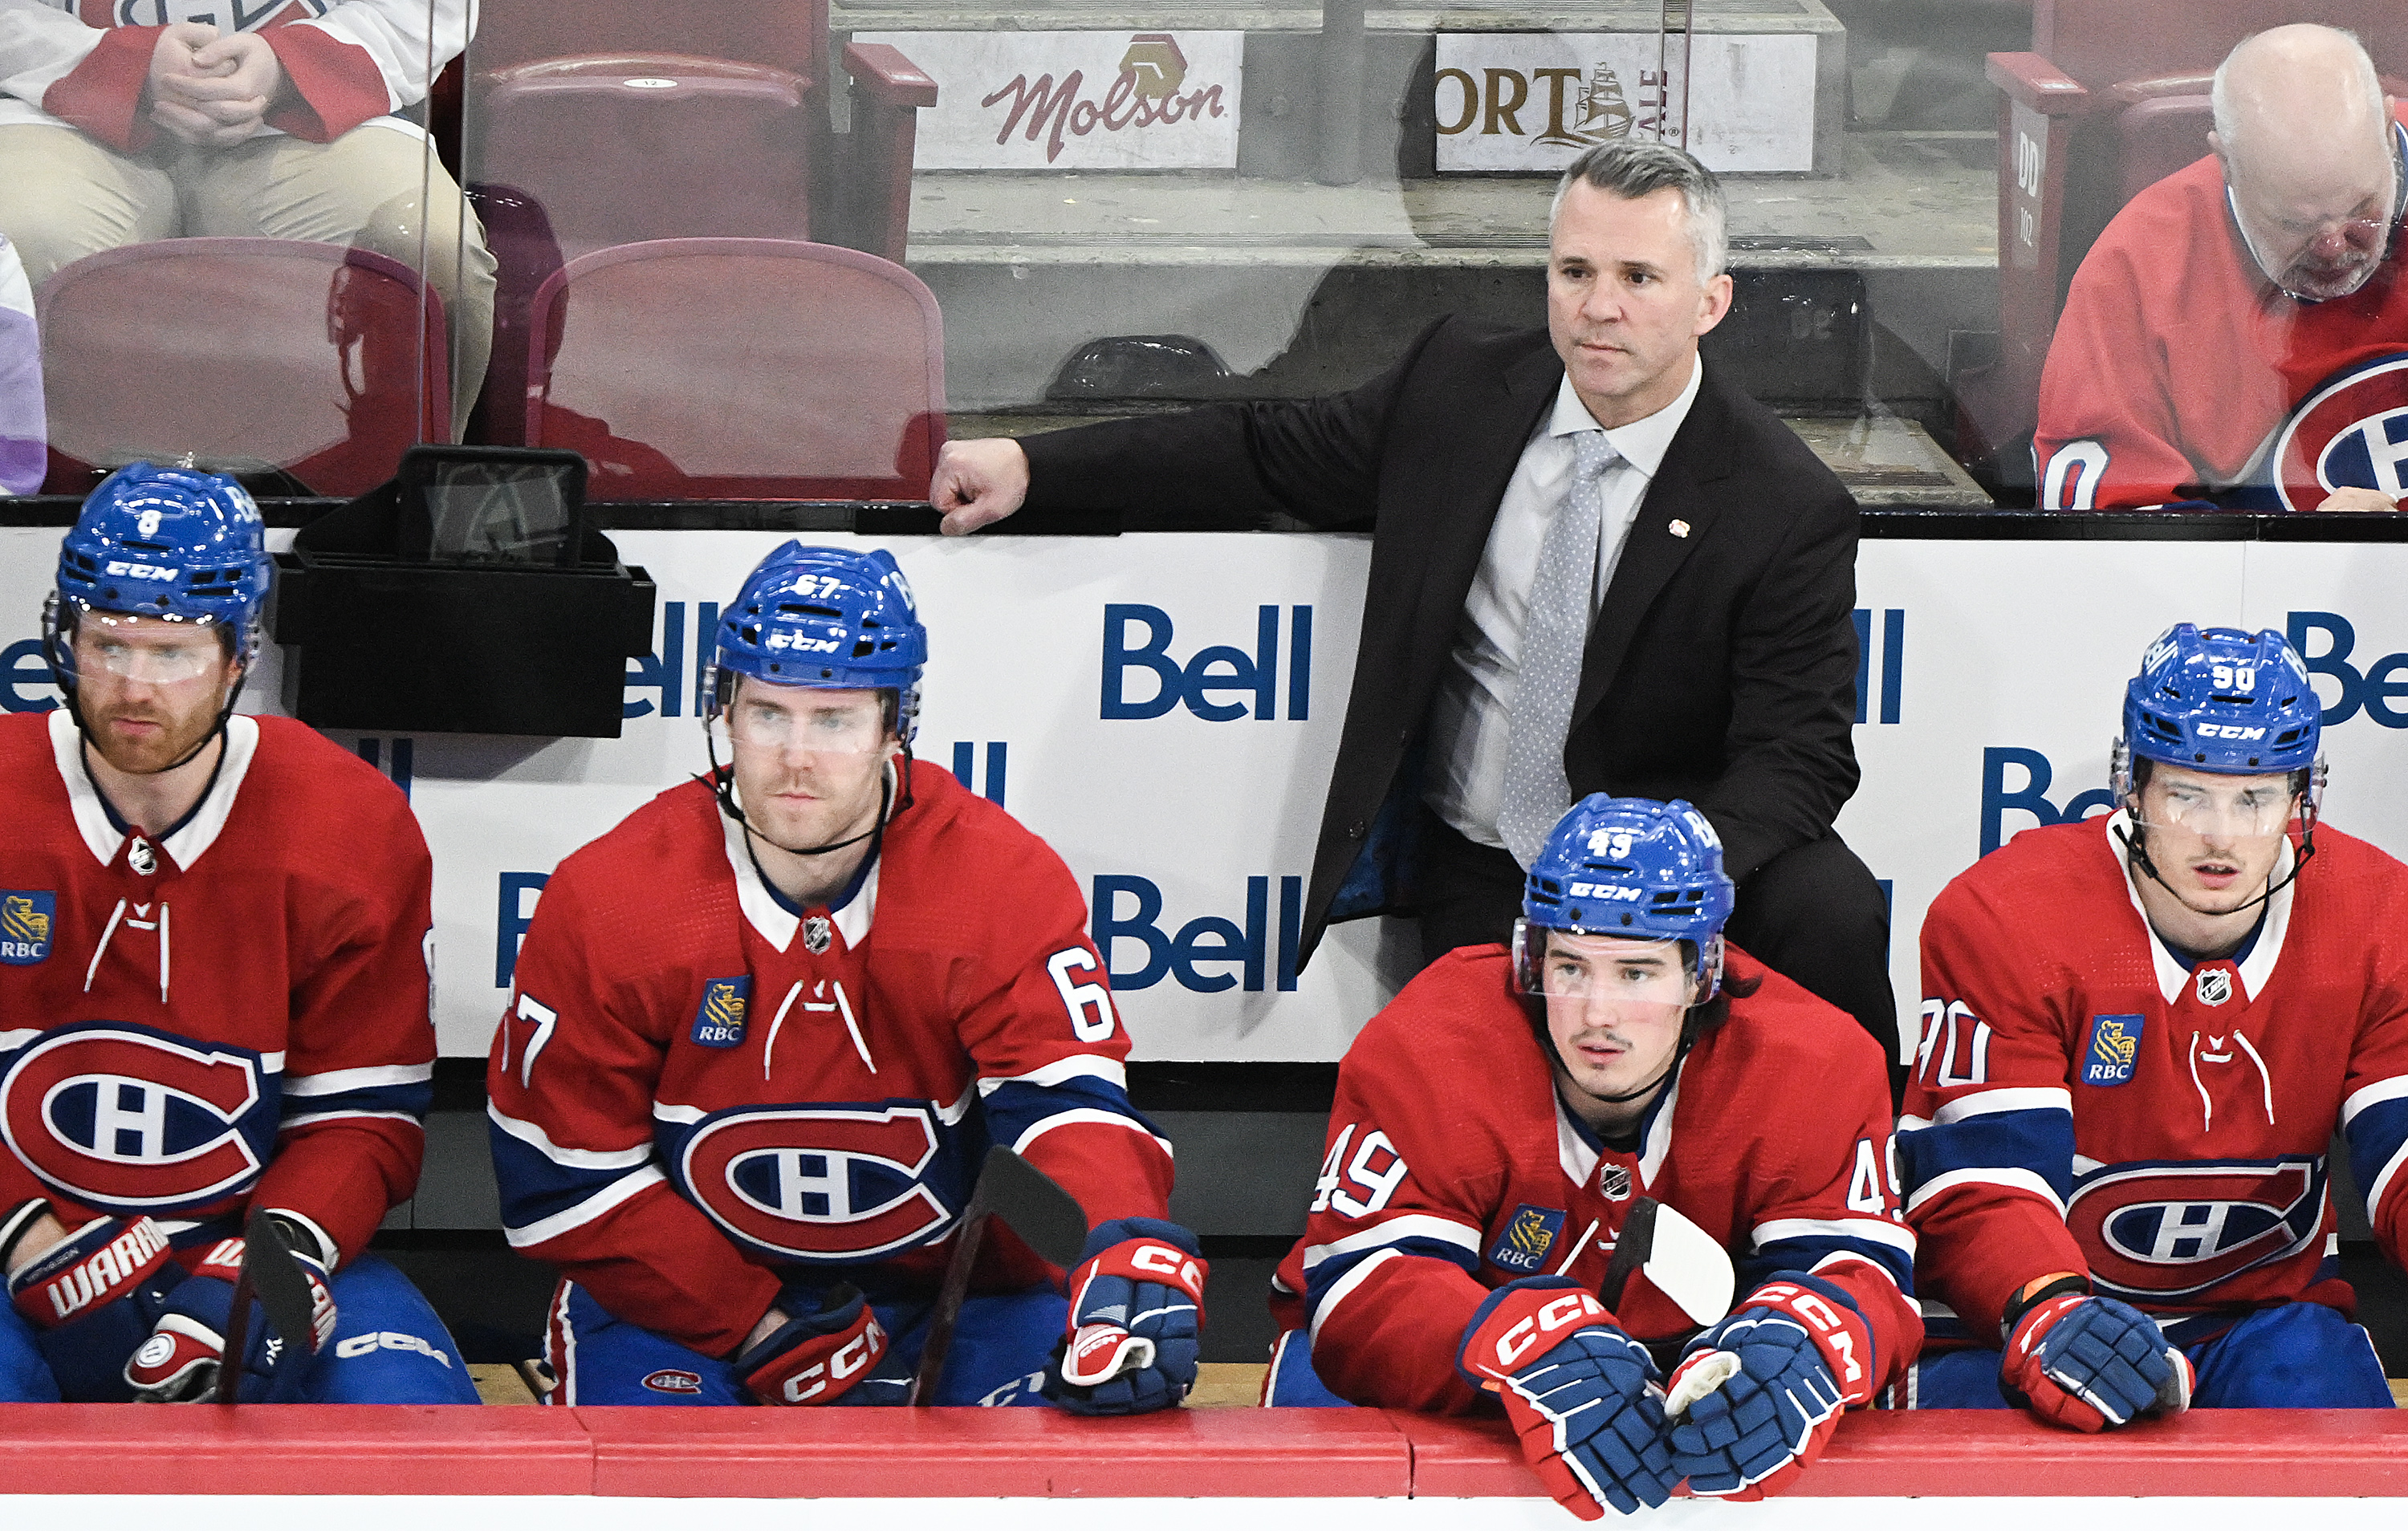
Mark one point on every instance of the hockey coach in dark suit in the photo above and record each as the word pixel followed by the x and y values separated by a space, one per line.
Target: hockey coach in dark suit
pixel 1596 566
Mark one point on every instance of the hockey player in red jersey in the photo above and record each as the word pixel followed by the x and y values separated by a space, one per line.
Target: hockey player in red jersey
pixel 1497 1121
pixel 763 1032
pixel 213 991
pixel 2138 1035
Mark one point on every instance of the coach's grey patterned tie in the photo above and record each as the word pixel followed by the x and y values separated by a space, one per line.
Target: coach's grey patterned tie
pixel 1553 637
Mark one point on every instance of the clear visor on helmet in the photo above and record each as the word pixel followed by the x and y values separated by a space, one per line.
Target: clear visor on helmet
pixel 1566 965
pixel 145 649
pixel 2241 808
pixel 807 719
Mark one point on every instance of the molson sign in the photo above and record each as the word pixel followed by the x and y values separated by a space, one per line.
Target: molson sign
pixel 1076 100
pixel 1533 100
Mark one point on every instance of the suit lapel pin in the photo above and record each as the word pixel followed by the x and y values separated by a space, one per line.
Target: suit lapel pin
pixel 1679 528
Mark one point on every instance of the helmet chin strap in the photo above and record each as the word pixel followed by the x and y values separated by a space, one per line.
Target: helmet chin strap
pixel 722 786
pixel 2136 846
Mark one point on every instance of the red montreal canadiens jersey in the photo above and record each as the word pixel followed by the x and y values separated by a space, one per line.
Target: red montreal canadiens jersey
pixel 1453 1168
pixel 2178 371
pixel 694 1086
pixel 2081 1102
pixel 233 1013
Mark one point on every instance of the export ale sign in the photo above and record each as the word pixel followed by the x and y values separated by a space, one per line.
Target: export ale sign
pixel 1076 100
pixel 1534 101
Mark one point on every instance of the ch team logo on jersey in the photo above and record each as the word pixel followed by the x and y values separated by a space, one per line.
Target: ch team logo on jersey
pixel 2351 433
pixel 137 1120
pixel 2115 1049
pixel 25 917
pixel 819 1183
pixel 1523 1243
pixel 719 1020
pixel 2171 1231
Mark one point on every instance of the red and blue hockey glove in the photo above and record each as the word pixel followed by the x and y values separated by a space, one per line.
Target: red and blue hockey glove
pixel 1137 1307
pixel 2089 1363
pixel 839 1354
pixel 178 1363
pixel 92 1298
pixel 1755 1397
pixel 1581 1394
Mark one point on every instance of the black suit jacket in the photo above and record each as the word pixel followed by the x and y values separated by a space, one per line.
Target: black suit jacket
pixel 1722 665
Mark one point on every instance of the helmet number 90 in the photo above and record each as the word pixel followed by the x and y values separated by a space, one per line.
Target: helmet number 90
pixel 1090 1004
pixel 2235 677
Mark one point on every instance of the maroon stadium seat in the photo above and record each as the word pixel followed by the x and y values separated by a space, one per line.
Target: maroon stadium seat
pixel 248 354
pixel 2111 97
pixel 738 369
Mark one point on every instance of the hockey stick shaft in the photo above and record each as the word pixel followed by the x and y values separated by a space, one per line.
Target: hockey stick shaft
pixel 954 1288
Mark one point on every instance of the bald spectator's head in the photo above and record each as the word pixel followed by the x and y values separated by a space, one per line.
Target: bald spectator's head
pixel 2304 131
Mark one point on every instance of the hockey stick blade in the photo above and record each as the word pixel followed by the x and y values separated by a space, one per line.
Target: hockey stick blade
pixel 270 1275
pixel 1676 1257
pixel 1045 1217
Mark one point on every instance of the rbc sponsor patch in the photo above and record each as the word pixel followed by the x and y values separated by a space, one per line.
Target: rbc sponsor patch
pixel 1521 1244
pixel 2351 433
pixel 25 919
pixel 719 1020
pixel 2114 1048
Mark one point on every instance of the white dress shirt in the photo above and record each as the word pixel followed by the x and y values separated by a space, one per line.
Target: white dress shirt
pixel 1471 714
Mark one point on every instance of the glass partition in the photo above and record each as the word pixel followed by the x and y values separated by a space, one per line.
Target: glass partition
pixel 782 249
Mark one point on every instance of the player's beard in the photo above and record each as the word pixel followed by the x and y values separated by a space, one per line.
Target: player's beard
pixel 175 739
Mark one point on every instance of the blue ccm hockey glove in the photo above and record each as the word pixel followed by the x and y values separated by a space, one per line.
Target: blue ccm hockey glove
pixel 2089 1363
pixel 1755 1397
pixel 92 1299
pixel 1581 1394
pixel 178 1363
pixel 838 1354
pixel 1137 1305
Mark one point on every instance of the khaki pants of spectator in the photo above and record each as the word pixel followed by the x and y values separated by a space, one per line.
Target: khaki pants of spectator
pixel 64 195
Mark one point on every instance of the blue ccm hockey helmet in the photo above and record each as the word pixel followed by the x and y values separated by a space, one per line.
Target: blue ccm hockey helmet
pixel 177 544
pixel 828 618
pixel 1629 866
pixel 2220 699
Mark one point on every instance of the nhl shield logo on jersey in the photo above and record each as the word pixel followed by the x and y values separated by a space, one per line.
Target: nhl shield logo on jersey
pixel 815 935
pixel 1614 1181
pixel 2115 1049
pixel 2214 986
pixel 132 1119
pixel 25 917
pixel 2351 433
pixel 2170 1231
pixel 719 1020
pixel 1523 1243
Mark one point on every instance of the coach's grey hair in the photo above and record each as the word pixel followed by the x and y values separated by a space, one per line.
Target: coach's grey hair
pixel 1637 167
pixel 2228 118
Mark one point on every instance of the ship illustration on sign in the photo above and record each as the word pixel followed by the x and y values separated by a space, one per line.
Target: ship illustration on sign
pixel 1603 112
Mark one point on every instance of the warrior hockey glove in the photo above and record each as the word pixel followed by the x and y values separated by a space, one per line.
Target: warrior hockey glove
pixel 180 1362
pixel 1756 1397
pixel 2091 1362
pixel 839 1354
pixel 92 1298
pixel 1582 1394
pixel 1137 1305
